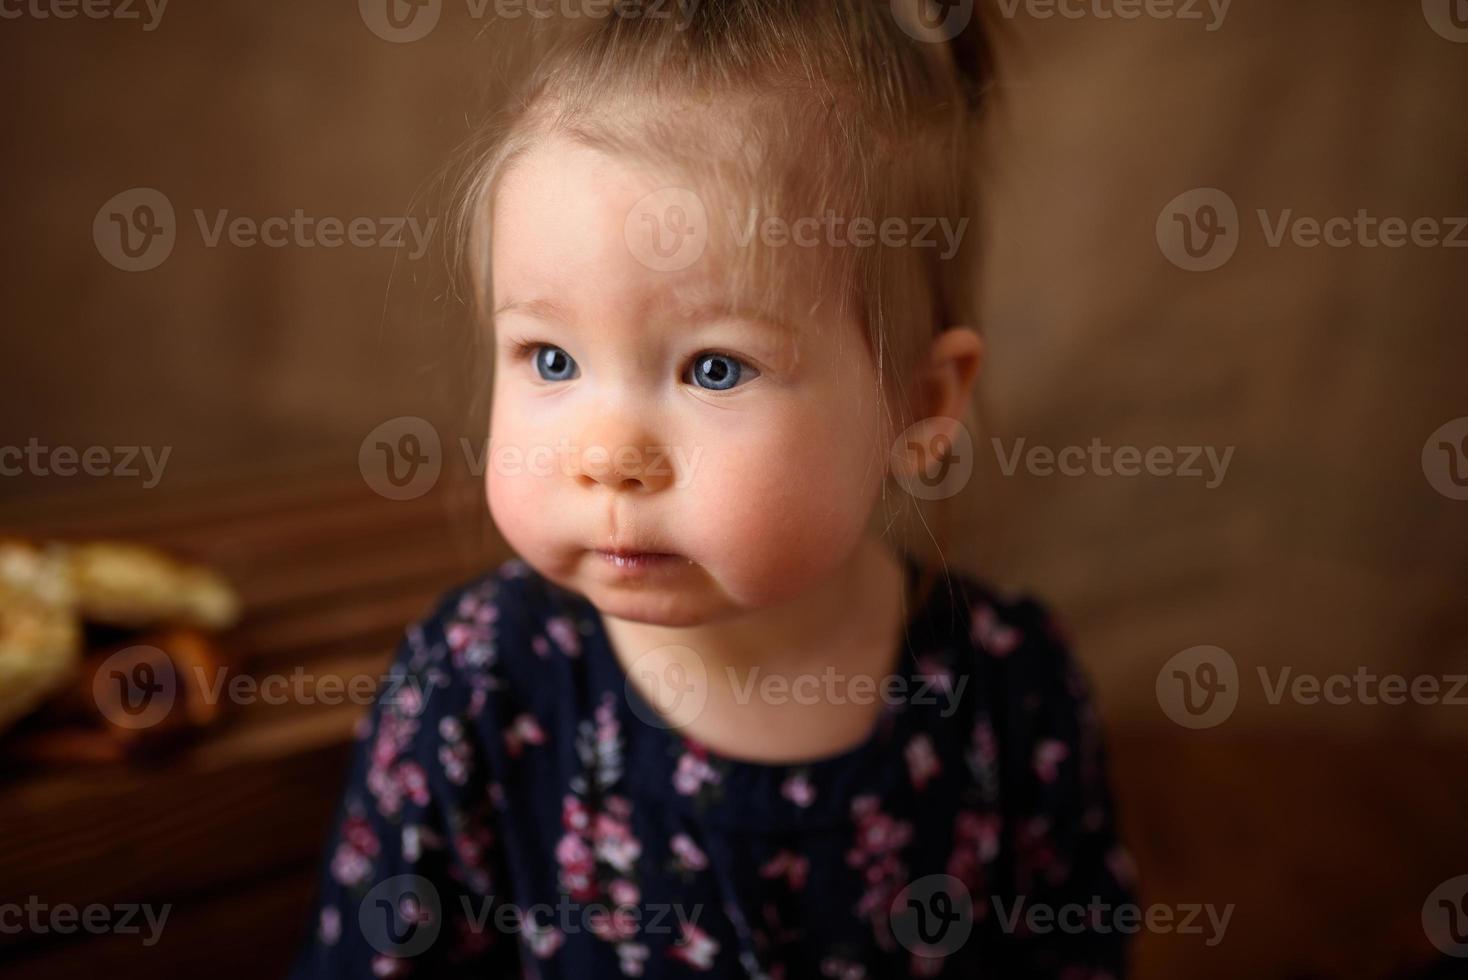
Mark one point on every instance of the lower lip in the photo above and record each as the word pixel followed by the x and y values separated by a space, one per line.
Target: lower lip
pixel 635 562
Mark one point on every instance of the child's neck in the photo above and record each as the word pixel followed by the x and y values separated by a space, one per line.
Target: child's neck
pixel 848 626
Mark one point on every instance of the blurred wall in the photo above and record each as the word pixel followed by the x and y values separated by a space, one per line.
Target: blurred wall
pixel 1324 369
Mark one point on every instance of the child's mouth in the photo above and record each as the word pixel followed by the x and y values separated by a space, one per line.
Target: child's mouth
pixel 635 561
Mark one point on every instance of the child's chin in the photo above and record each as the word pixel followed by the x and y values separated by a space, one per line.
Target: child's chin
pixel 670 607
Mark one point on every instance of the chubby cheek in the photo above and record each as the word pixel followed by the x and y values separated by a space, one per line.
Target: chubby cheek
pixel 771 511
pixel 514 507
pixel 518 490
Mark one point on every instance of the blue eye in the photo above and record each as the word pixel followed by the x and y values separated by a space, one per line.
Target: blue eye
pixel 554 364
pixel 719 372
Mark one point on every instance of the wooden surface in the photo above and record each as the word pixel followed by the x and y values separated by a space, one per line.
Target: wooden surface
pixel 229 831
pixel 1327 846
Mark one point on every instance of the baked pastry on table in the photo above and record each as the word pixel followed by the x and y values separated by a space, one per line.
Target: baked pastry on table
pixel 133 586
pixel 40 634
pixel 151 622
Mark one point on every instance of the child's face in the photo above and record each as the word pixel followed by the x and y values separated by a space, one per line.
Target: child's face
pixel 647 421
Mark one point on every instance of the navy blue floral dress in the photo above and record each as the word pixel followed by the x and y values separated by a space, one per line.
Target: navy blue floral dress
pixel 514 809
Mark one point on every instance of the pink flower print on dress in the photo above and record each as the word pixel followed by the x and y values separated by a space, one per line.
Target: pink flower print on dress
pixel 330 926
pixel 471 844
pixel 578 866
pixel 523 731
pixel 975 844
pixel 574 815
pixel 388 967
pixel 360 835
pixel 614 925
pixel 875 853
pixel 563 634
pixel 632 958
pixel 414 782
pixel 690 858
pixel 877 833
pixel 694 947
pixel 922 761
pixel 624 892
pixel 1048 756
pixel 349 866
pixel 543 940
pixel 936 673
pixel 995 637
pixel 788 865
pixel 614 842
pixel 798 789
pixel 840 969
pixel 454 758
pixel 1123 868
pixel 693 771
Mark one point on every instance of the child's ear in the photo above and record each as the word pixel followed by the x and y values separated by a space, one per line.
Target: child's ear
pixel 943 384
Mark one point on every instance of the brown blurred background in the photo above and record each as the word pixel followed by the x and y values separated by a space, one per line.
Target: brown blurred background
pixel 1326 547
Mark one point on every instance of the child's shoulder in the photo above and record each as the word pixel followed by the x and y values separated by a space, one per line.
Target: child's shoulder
pixel 999 623
pixel 1013 645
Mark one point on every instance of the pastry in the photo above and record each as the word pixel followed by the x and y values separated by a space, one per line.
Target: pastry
pixel 133 586
pixel 40 637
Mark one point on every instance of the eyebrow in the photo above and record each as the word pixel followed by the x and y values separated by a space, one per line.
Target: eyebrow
pixel 698 311
pixel 543 309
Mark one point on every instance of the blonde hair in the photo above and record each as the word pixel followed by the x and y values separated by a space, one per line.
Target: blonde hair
pixel 808 108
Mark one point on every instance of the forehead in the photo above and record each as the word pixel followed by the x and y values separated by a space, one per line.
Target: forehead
pixel 574 225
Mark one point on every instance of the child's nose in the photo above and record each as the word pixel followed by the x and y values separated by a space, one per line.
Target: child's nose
pixel 621 456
